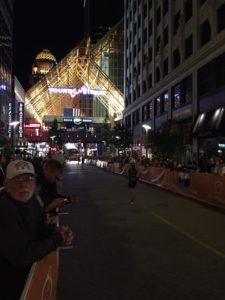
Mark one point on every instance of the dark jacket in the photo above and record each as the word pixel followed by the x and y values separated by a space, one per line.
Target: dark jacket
pixel 25 239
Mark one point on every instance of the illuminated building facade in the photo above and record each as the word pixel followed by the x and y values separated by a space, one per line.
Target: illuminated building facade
pixel 6 82
pixel 174 65
pixel 89 78
pixel 43 63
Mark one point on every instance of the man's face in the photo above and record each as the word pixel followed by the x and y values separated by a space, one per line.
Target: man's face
pixel 21 187
pixel 53 175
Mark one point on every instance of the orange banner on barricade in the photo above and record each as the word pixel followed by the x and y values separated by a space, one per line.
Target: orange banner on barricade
pixel 205 187
pixel 42 280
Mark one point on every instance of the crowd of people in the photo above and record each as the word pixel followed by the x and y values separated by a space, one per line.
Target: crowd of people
pixel 29 198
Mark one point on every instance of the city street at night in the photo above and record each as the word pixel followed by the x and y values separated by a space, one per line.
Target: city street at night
pixel 163 247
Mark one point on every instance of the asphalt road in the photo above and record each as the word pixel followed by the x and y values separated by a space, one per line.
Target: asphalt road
pixel 164 247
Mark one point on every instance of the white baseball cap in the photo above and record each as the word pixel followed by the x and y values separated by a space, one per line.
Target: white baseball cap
pixel 19 167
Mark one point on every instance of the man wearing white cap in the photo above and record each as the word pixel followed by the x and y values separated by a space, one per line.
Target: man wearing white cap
pixel 25 235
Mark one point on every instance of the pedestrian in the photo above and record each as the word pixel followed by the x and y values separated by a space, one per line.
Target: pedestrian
pixel 132 180
pixel 25 235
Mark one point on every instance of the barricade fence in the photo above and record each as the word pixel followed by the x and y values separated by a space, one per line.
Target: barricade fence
pixel 41 283
pixel 204 187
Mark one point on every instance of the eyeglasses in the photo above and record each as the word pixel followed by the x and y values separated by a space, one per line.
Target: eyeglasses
pixel 23 178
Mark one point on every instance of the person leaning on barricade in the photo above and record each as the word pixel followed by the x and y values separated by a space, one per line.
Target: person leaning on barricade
pixel 50 185
pixel 25 235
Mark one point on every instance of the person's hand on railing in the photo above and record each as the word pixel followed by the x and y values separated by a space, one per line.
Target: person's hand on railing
pixel 72 198
pixel 66 234
pixel 56 203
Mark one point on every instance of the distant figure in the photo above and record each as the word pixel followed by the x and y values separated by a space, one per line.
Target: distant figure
pixel 132 180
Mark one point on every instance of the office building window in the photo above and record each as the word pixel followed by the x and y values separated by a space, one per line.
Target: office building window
pixel 205 32
pixel 150 54
pixel 176 22
pixel 158 104
pixel 158 44
pixel 145 36
pixel 145 10
pixel 176 96
pixel 139 21
pixel 188 46
pixel 139 91
pixel 188 10
pixel 188 90
pixel 176 58
pixel 165 102
pixel 165 67
pixel 150 81
pixel 144 113
pixel 144 87
pixel 201 2
pixel 165 36
pixel 157 74
pixel 139 45
pixel 165 7
pixel 150 28
pixel 158 15
pixel 221 17
pixel 134 6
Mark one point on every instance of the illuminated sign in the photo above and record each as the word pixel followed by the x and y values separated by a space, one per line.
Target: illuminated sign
pixel 85 90
pixel 21 119
pixel 32 110
pixel 9 119
pixel 3 87
pixel 76 121
pixel 221 146
pixel 68 120
pixel 32 125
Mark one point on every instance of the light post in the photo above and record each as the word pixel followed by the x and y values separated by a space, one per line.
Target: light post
pixel 14 125
pixel 118 138
pixel 52 138
pixel 146 128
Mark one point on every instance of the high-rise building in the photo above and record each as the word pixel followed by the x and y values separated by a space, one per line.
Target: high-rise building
pixel 6 67
pixel 175 67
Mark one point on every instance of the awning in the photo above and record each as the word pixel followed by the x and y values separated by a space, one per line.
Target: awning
pixel 209 124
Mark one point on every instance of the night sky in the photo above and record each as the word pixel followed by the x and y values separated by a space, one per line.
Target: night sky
pixel 45 24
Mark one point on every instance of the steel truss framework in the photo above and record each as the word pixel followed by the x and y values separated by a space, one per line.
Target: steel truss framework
pixel 80 67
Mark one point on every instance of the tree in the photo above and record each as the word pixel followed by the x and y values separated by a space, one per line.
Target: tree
pixel 166 142
pixel 121 137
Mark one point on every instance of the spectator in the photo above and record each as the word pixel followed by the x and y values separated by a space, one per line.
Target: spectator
pixel 50 184
pixel 25 235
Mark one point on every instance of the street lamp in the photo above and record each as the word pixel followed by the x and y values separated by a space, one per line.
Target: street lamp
pixel 146 128
pixel 52 138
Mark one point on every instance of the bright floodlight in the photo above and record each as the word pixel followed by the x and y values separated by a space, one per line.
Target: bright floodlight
pixel 146 126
